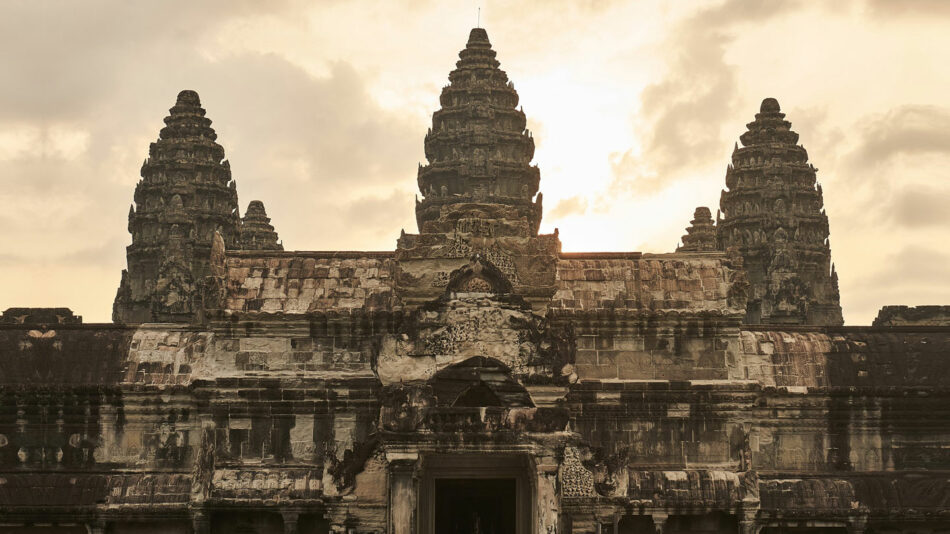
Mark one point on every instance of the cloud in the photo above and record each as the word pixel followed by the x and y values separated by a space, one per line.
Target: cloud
pixel 921 206
pixel 895 165
pixel 904 130
pixel 911 265
pixel 70 57
pixel 891 8
pixel 288 127
pixel 684 112
pixel 575 205
pixel 380 212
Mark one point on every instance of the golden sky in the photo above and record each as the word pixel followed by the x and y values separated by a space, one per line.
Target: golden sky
pixel 322 107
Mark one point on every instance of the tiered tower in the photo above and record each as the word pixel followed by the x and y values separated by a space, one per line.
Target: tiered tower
pixel 478 149
pixel 185 194
pixel 256 231
pixel 479 187
pixel 701 234
pixel 772 212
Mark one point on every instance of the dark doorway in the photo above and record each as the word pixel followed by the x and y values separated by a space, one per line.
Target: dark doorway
pixel 475 506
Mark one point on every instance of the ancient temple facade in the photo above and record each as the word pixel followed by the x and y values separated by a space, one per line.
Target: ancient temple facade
pixel 476 378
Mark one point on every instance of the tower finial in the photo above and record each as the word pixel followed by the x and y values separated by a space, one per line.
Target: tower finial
pixel 478 18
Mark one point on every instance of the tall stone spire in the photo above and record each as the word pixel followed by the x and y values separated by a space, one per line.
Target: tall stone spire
pixel 701 234
pixel 256 231
pixel 478 149
pixel 186 186
pixel 772 212
pixel 478 189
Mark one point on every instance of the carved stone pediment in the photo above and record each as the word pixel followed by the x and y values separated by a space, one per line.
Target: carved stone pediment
pixel 479 276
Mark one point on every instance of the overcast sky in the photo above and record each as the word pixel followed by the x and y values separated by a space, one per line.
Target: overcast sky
pixel 322 108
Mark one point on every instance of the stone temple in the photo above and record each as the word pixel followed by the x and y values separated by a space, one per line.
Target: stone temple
pixel 476 379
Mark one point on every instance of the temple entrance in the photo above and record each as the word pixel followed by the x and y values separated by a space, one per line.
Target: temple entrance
pixel 476 506
pixel 476 494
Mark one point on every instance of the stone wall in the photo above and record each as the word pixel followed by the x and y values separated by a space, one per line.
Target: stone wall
pixel 154 423
pixel 301 282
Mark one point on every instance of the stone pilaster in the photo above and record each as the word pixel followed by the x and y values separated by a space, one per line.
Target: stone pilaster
pixel 548 501
pixel 290 521
pixel 748 523
pixel 403 469
pixel 200 522
pixel 660 520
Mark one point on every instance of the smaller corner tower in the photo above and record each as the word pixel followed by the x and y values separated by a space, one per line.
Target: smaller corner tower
pixel 701 233
pixel 186 193
pixel 771 211
pixel 257 233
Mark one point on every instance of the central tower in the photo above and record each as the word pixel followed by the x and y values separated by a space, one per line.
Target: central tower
pixel 479 190
pixel 478 149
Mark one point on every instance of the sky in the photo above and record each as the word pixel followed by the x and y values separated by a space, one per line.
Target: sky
pixel 322 107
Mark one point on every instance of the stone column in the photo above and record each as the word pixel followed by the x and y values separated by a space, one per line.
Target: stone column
pixel 747 521
pixel 402 492
pixel 660 519
pixel 858 524
pixel 200 522
pixel 290 522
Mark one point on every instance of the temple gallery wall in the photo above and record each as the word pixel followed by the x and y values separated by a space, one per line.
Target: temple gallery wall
pixel 475 379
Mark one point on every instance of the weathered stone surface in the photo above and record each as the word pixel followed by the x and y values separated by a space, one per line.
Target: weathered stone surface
pixel 913 316
pixel 648 282
pixel 297 283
